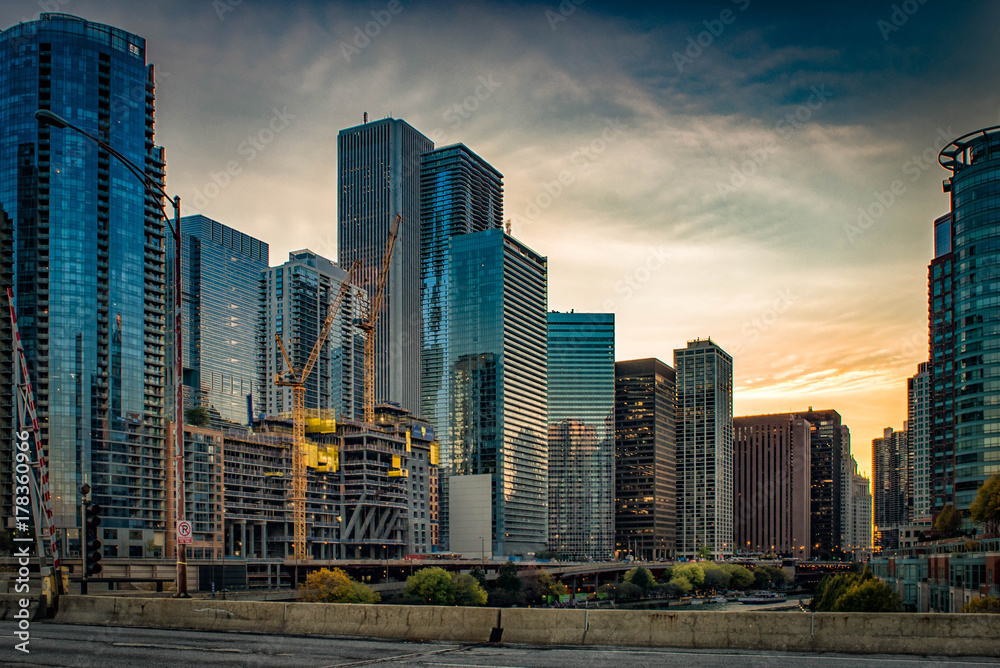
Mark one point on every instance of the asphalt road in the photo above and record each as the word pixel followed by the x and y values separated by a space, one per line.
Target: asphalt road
pixel 109 647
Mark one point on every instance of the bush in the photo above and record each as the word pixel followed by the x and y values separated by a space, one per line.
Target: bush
pixel 989 604
pixel 335 586
pixel 854 592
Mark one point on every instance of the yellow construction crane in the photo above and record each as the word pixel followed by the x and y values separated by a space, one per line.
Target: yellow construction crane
pixel 296 380
pixel 370 317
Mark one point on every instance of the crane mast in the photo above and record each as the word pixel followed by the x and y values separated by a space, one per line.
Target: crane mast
pixel 367 323
pixel 296 380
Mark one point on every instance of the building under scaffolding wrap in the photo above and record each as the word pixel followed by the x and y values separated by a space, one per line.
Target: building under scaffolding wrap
pixel 371 489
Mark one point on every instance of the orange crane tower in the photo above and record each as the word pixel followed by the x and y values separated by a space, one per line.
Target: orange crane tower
pixel 370 317
pixel 296 379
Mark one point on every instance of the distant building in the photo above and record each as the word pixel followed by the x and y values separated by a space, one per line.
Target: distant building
pixel 378 177
pixel 892 475
pixel 704 448
pixel 220 291
pixel 860 545
pixel 918 428
pixel 771 494
pixel 645 459
pixel 497 371
pixel 203 497
pixel 826 459
pixel 581 434
pixel 89 269
pixel 295 298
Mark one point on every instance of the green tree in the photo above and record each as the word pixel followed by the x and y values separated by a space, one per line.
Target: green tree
pixel 693 573
pixel 704 552
pixel 716 577
pixel 480 575
pixel 740 577
pixel 640 577
pixel 868 596
pixel 985 510
pixel 766 577
pixel 197 416
pixel 681 585
pixel 830 588
pixel 539 584
pixel 990 604
pixel 466 590
pixel 948 521
pixel 335 586
pixel 620 591
pixel 431 585
pixel 507 579
pixel 554 555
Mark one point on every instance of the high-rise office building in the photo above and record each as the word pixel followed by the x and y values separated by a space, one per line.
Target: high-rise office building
pixel 494 444
pixel 826 443
pixel 846 473
pixel 773 476
pixel 581 435
pixel 7 418
pixel 860 547
pixel 645 459
pixel 704 448
pixel 941 370
pixel 220 297
pixel 295 298
pixel 918 427
pixel 965 323
pixel 89 276
pixel 460 193
pixel 892 476
pixel 378 178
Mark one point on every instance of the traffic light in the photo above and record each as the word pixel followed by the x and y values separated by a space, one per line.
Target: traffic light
pixel 92 544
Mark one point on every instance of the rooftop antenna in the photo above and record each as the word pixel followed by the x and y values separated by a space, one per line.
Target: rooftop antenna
pixel 366 117
pixel 507 224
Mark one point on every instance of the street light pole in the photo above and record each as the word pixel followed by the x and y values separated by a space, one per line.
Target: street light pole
pixel 47 117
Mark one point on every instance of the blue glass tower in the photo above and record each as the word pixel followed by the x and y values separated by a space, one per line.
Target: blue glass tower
pixel 497 385
pixel 89 264
pixel 460 193
pixel 220 288
pixel 581 382
pixel 965 323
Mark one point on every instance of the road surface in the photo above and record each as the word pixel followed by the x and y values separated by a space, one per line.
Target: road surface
pixel 112 647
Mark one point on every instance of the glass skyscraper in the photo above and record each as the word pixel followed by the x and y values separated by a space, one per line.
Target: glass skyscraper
pixel 295 298
pixel 379 177
pixel 460 193
pixel 89 264
pixel 581 381
pixel 965 323
pixel 220 289
pixel 704 448
pixel 826 522
pixel 497 382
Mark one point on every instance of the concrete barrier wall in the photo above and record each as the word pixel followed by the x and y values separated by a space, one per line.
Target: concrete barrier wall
pixel 863 633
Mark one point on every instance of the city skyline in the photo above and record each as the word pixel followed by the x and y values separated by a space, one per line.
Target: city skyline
pixel 761 268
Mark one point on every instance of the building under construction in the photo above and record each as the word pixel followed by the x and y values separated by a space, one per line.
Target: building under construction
pixel 371 489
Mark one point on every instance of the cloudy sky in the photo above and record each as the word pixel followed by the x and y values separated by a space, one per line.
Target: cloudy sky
pixel 761 173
